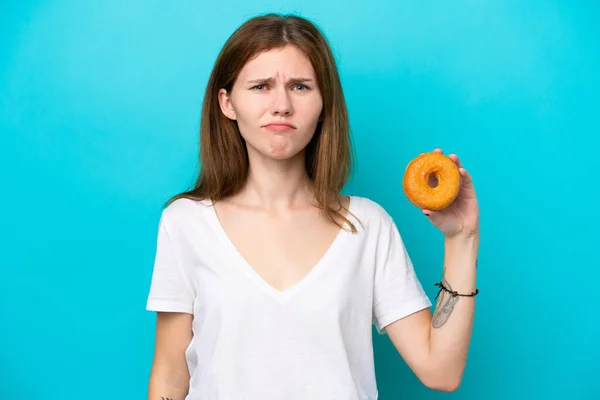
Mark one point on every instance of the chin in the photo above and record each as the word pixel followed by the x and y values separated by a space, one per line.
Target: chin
pixel 282 155
pixel 283 149
pixel 280 148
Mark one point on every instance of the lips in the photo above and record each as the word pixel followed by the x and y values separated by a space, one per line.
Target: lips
pixel 280 126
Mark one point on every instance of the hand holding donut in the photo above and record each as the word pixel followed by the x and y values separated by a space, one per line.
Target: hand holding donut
pixel 444 191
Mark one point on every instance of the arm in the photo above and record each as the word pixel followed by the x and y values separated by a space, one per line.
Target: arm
pixel 169 377
pixel 435 346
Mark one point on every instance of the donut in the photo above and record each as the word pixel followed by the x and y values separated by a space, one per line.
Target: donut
pixel 419 182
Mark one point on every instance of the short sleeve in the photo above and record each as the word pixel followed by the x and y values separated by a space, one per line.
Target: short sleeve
pixel 169 290
pixel 397 291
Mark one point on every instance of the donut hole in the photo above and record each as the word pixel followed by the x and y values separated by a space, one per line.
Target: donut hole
pixel 432 180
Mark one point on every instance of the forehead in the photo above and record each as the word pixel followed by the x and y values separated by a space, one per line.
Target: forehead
pixel 285 62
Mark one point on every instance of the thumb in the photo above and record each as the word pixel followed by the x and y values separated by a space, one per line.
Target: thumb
pixel 435 217
pixel 447 223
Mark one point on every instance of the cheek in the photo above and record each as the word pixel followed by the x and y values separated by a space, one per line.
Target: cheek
pixel 312 110
pixel 246 105
pixel 249 117
pixel 250 111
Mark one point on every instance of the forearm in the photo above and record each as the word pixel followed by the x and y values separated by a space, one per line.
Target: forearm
pixel 452 321
pixel 165 385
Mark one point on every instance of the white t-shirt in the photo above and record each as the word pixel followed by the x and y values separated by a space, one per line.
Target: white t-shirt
pixel 311 342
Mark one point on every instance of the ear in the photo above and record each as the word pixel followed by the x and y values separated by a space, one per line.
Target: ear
pixel 226 105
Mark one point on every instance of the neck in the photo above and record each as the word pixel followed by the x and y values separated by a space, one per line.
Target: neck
pixel 277 184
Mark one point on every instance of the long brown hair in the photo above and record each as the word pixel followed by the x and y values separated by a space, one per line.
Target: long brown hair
pixel 223 153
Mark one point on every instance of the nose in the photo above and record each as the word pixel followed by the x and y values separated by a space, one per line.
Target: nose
pixel 281 102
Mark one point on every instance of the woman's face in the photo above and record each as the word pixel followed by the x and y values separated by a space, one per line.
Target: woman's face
pixel 276 103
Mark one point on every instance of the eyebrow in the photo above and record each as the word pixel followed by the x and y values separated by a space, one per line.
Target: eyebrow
pixel 271 80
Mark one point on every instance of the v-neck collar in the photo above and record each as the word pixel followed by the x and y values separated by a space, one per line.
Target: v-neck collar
pixel 276 294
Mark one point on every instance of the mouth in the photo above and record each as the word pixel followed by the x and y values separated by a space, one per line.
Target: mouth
pixel 280 127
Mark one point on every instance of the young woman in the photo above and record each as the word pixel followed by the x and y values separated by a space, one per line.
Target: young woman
pixel 267 280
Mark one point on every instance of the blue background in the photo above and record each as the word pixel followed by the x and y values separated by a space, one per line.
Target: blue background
pixel 99 112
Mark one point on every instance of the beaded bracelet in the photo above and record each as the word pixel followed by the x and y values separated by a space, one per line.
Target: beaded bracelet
pixel 454 293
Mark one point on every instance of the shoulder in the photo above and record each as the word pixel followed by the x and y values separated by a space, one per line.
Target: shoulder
pixel 184 211
pixel 370 213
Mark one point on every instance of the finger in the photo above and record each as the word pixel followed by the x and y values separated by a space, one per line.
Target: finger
pixel 455 158
pixel 438 150
pixel 466 177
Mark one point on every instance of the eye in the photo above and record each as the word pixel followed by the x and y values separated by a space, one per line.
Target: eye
pixel 301 87
pixel 259 87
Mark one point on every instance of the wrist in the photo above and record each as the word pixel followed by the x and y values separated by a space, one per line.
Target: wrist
pixel 461 252
pixel 464 233
pixel 463 240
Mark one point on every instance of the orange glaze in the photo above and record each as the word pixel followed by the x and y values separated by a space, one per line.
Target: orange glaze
pixel 417 177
